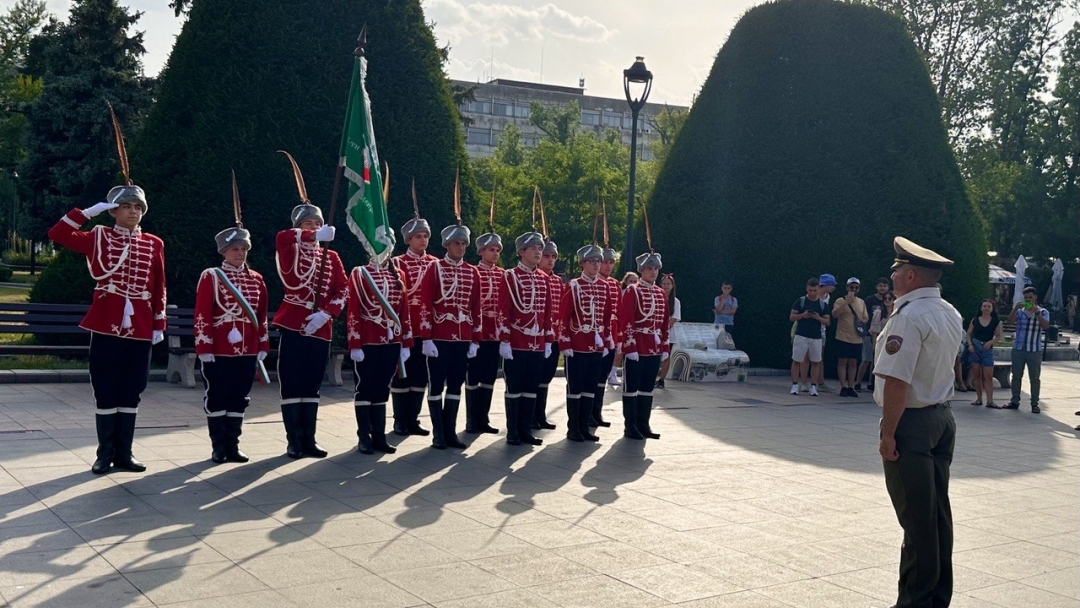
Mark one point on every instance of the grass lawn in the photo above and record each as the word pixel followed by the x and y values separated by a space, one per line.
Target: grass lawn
pixel 40 362
pixel 24 276
pixel 13 294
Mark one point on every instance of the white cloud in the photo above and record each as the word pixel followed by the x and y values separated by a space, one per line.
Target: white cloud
pixel 498 24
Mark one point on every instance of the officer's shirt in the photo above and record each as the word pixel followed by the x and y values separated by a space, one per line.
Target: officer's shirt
pixel 918 345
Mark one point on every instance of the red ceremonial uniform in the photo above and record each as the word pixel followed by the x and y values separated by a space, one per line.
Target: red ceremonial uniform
pixel 491 281
pixel 643 317
pixel 614 290
pixel 298 257
pixel 524 309
pixel 411 266
pixel 450 293
pixel 585 315
pixel 368 321
pixel 222 327
pixel 129 267
pixel 555 289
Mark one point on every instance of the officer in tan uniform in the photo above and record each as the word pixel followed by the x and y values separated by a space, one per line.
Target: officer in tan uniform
pixel 914 361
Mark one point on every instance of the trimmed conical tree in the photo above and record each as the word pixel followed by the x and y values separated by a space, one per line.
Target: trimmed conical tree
pixel 247 78
pixel 816 138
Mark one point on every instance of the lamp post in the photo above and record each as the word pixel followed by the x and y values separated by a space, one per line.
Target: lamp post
pixel 641 78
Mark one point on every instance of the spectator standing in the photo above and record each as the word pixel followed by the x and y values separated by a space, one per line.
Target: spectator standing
pixel 724 307
pixel 628 279
pixel 847 311
pixel 827 286
pixel 874 302
pixel 880 316
pixel 810 316
pixel 983 331
pixel 1030 319
pixel 667 283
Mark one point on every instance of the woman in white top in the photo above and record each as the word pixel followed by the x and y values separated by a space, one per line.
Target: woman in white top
pixel 667 283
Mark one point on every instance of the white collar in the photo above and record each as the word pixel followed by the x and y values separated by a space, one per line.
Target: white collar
pixel 231 268
pixel 916 294
pixel 124 231
pixel 586 278
pixel 415 256
pixel 487 266
pixel 525 267
pixel 447 259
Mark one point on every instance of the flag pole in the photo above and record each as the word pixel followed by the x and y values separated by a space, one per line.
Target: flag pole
pixel 358 52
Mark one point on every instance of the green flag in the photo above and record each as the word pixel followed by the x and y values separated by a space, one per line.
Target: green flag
pixel 366 211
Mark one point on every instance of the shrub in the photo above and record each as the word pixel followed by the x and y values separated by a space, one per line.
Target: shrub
pixel 816 138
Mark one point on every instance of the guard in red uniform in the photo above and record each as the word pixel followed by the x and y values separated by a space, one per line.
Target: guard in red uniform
pixel 231 338
pixel 484 367
pixel 408 392
pixel 314 295
pixel 547 374
pixel 127 314
pixel 380 337
pixel 584 340
pixel 451 296
pixel 525 336
pixel 643 318
pixel 607 364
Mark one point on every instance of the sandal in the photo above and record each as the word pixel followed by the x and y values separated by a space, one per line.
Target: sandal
pixel 993 405
pixel 977 402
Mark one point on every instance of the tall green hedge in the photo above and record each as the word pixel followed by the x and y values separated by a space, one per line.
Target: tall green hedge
pixel 816 138
pixel 247 78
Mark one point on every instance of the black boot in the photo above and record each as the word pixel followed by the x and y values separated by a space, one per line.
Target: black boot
pixel 450 413
pixel 470 411
pixel 540 420
pixel 629 413
pixel 309 415
pixel 234 427
pixel 402 406
pixel 644 412
pixel 216 427
pixel 125 435
pixel 435 410
pixel 363 429
pixel 483 408
pixel 417 407
pixel 513 405
pixel 584 414
pixel 598 407
pixel 378 429
pixel 294 429
pixel 526 414
pixel 573 404
pixel 106 429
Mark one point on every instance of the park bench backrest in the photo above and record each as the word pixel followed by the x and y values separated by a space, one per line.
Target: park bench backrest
pixel 26 318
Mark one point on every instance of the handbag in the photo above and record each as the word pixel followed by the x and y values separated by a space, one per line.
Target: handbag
pixel 861 327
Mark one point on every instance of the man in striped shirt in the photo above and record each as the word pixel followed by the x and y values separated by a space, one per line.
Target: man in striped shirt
pixel 1030 319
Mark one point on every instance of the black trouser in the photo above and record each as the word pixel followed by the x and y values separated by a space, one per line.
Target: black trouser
pixel 119 368
pixel 918 484
pixel 301 366
pixel 480 385
pixel 227 382
pixel 372 388
pixel 408 392
pixel 581 372
pixel 547 374
pixel 639 378
pixel 606 365
pixel 522 375
pixel 446 373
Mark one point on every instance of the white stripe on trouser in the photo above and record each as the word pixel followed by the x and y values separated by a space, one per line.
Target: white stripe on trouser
pixel 361 403
pixel 234 415
pixel 482 385
pixel 418 389
pixel 529 395
pixel 471 387
pixel 292 400
pixel 399 390
pixel 544 385
pixel 633 394
pixel 127 410
pixel 512 395
pixel 210 414
pixel 575 396
pixel 644 394
pixel 452 397
pixel 309 400
pixel 107 412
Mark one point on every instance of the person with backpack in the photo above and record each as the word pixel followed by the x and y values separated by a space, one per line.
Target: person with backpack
pixel 851 324
pixel 810 316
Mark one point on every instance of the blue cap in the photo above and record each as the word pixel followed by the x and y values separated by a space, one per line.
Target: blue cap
pixel 826 280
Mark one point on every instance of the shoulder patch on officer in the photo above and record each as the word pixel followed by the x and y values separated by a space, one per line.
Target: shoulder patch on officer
pixel 893 344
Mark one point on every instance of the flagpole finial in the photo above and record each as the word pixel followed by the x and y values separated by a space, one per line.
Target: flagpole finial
pixel 361 42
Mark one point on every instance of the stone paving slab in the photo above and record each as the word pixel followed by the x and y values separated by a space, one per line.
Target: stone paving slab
pixel 753 498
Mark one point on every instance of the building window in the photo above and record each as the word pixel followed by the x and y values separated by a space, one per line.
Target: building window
pixel 530 140
pixel 590 117
pixel 478 137
pixel 612 120
pixel 479 107
pixel 503 108
pixel 522 112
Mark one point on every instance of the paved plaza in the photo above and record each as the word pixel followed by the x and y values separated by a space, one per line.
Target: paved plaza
pixel 752 498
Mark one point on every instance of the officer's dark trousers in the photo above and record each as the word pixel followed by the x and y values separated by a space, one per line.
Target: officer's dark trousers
pixel 918 484
pixel 581 372
pixel 606 364
pixel 446 372
pixel 372 390
pixel 227 381
pixel 523 374
pixel 301 366
pixel 408 393
pixel 480 385
pixel 119 368
pixel 547 374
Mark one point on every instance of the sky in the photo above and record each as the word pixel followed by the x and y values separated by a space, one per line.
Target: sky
pixel 555 42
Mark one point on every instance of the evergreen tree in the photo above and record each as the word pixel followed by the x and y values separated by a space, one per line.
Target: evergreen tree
pixel 816 138
pixel 247 78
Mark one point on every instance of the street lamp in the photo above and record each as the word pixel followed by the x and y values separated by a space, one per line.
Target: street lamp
pixel 641 78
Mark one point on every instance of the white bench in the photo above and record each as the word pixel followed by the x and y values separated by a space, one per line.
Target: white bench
pixel 695 357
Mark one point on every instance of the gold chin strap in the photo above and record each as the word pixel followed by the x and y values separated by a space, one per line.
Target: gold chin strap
pixel 901 261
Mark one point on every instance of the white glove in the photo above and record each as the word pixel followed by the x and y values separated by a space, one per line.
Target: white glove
pixel 547 350
pixel 429 349
pixel 315 321
pixel 504 350
pixel 262 355
pixel 96 209
pixel 618 348
pixel 357 354
pixel 567 353
pixel 632 356
pixel 606 351
pixel 664 357
pixel 473 347
pixel 157 336
pixel 325 234
pixel 599 340
pixel 405 354
pixel 206 357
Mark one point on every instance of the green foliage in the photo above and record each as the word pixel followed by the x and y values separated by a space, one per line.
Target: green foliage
pixel 85 62
pixel 64 281
pixel 5 274
pixel 816 138
pixel 247 78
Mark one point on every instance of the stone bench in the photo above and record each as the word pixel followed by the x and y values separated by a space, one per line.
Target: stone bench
pixel 696 358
